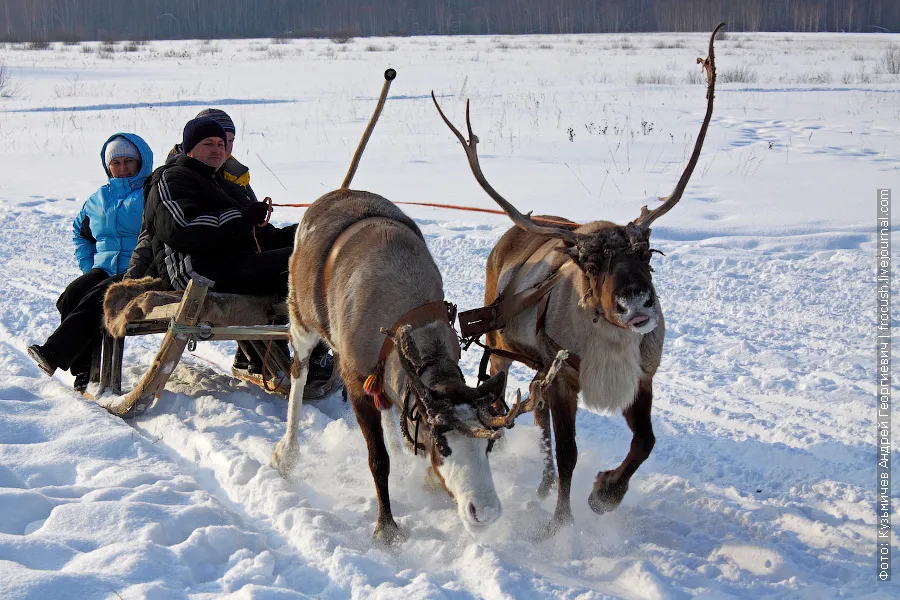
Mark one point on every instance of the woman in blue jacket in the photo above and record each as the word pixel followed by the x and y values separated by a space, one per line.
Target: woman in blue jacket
pixel 105 232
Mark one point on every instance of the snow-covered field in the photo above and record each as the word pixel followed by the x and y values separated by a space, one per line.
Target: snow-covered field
pixel 762 482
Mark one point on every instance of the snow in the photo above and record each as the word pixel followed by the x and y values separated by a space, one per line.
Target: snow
pixel 762 481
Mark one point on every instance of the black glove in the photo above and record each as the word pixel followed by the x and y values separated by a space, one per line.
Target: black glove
pixel 256 213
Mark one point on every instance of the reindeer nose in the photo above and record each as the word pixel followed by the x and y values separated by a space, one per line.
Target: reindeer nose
pixel 634 298
pixel 632 290
pixel 485 515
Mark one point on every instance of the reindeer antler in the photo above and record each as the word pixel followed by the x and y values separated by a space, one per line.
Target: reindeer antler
pixel 437 415
pixel 507 420
pixel 709 64
pixel 519 407
pixel 523 221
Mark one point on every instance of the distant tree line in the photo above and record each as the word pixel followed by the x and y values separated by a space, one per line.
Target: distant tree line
pixel 73 20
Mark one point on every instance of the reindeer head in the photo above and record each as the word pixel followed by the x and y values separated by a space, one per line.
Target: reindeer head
pixel 455 426
pixel 615 265
pixel 615 260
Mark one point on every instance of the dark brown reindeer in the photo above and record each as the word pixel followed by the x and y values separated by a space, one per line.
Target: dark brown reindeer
pixel 587 289
pixel 359 267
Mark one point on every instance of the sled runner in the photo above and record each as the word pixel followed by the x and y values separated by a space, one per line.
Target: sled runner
pixel 143 307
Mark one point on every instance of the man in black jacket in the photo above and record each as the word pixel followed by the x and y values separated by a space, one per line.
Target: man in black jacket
pixel 232 170
pixel 199 223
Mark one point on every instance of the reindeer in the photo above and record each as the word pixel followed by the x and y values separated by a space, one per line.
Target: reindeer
pixel 359 266
pixel 587 289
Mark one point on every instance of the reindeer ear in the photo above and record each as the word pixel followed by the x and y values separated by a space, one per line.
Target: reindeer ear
pixel 494 387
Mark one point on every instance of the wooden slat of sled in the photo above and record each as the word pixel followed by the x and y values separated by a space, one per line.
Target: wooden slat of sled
pixel 147 327
pixel 186 313
pixel 228 332
pixel 154 380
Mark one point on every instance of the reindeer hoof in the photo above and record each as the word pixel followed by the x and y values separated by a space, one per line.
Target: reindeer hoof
pixel 548 481
pixel 556 523
pixel 607 493
pixel 285 458
pixel 389 535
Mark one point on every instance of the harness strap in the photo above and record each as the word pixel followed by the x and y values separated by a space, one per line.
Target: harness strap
pixel 573 360
pixel 417 317
pixel 476 322
pixel 512 305
pixel 525 360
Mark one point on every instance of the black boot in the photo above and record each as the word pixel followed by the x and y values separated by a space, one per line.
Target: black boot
pixel 43 359
pixel 321 364
pixel 241 362
pixel 81 367
pixel 247 362
pixel 81 382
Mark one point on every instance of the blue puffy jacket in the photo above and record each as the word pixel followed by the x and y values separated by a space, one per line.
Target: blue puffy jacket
pixel 106 230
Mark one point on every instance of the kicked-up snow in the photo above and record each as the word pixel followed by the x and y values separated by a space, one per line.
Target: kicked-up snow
pixel 762 481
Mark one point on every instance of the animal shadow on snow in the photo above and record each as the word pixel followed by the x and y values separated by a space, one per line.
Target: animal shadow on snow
pixel 194 379
pixel 750 501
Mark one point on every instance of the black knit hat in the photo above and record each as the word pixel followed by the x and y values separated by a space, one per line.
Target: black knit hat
pixel 219 116
pixel 197 130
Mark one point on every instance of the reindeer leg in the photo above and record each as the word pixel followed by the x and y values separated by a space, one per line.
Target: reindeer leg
pixel 564 405
pixel 391 431
pixel 387 532
pixel 610 486
pixel 541 414
pixel 287 451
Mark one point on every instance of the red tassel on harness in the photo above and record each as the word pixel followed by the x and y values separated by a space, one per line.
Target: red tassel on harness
pixel 374 387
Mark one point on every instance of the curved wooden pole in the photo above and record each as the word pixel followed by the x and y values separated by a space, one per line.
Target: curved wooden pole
pixel 389 76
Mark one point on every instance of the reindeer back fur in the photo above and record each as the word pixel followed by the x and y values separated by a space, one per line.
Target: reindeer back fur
pixel 380 274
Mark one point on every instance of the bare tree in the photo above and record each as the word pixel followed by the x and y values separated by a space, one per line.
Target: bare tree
pixel 26 20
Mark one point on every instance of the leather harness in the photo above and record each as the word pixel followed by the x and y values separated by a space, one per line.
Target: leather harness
pixel 495 316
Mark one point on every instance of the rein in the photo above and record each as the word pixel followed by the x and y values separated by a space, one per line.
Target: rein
pixel 492 211
pixel 499 311
pixel 265 383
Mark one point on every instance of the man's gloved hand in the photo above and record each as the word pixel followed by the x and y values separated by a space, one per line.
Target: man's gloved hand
pixel 256 213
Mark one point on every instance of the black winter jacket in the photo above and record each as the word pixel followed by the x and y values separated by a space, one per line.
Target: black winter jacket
pixel 141 263
pixel 192 218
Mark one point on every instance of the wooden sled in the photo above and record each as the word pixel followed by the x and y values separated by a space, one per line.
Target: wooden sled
pixel 184 323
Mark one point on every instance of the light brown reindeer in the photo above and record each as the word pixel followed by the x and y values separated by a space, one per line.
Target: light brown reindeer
pixel 359 267
pixel 587 289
